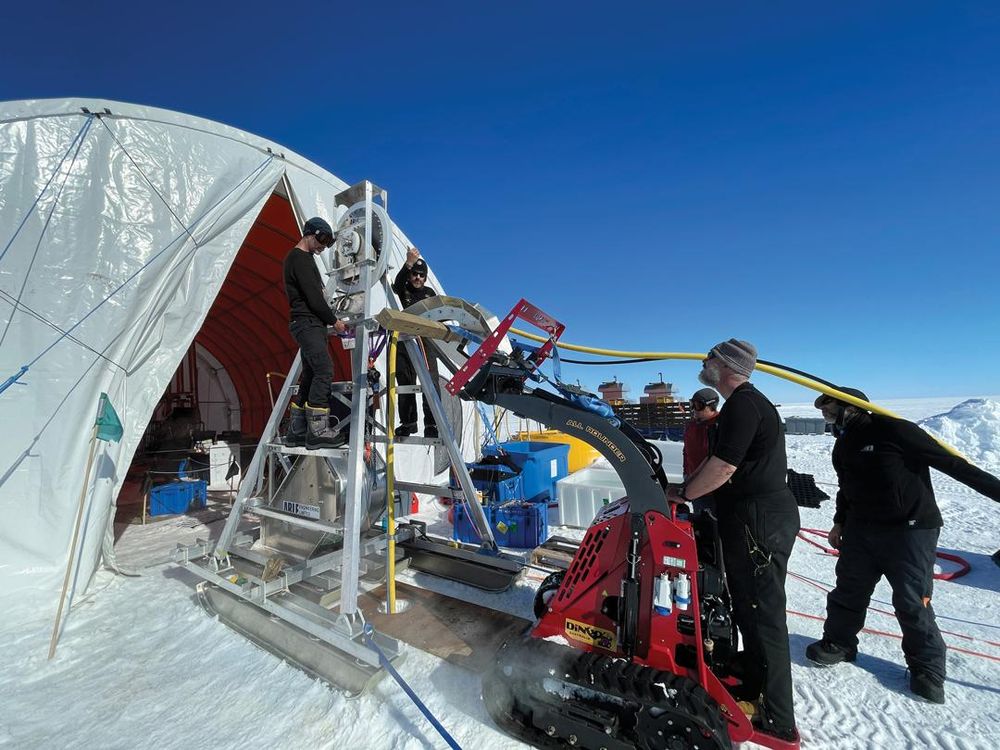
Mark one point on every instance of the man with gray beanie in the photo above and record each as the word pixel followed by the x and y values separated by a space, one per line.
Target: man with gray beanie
pixel 758 522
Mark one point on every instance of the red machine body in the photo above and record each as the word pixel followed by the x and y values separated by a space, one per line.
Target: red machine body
pixel 580 613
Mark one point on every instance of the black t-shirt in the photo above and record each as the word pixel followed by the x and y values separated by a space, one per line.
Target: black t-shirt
pixel 304 288
pixel 749 436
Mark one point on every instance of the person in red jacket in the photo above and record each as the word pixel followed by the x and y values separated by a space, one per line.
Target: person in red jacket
pixel 697 444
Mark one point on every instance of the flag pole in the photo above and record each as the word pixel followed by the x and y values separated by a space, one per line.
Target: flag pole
pixel 72 548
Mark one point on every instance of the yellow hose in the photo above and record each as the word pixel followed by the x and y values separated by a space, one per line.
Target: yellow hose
pixel 771 370
pixel 390 475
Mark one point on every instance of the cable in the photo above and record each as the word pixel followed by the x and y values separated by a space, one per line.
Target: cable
pixel 609 361
pixel 795 376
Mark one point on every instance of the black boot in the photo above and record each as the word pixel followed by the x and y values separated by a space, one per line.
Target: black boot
pixel 927 686
pixel 296 435
pixel 405 430
pixel 318 433
pixel 826 653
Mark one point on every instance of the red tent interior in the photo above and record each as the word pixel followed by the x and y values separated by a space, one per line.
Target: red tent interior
pixel 247 327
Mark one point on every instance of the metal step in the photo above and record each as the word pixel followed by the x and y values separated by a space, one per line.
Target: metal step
pixel 306 523
pixel 303 451
pixel 409 440
pixel 441 490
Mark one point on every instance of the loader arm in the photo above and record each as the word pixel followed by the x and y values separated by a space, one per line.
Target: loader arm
pixel 636 462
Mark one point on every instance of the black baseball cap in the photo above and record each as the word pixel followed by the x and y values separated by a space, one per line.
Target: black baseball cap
pixel 823 398
pixel 318 226
pixel 706 396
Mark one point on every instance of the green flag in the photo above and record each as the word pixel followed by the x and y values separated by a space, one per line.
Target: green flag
pixel 109 427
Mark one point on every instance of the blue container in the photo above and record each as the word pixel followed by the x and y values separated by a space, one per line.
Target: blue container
pixel 498 483
pixel 177 497
pixel 541 464
pixel 517 524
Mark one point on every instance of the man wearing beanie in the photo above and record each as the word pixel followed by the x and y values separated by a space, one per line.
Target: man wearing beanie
pixel 887 524
pixel 410 286
pixel 758 521
pixel 310 315
pixel 699 437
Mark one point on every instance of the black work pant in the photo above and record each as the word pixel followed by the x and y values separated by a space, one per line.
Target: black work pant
pixel 406 375
pixel 757 536
pixel 317 367
pixel 906 558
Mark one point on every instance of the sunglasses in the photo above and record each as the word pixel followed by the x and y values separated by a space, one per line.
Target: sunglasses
pixel 324 239
pixel 699 405
pixel 417 275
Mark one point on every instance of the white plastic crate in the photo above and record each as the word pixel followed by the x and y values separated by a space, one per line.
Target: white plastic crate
pixel 584 492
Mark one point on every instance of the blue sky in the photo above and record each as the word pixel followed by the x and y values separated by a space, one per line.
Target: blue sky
pixel 823 181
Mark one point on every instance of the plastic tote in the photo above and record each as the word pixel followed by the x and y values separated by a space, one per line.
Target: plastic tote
pixel 541 465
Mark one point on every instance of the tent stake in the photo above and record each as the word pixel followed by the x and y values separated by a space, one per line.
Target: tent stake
pixel 72 547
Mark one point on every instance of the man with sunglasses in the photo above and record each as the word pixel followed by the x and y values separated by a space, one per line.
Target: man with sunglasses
pixel 411 287
pixel 699 438
pixel 758 522
pixel 887 523
pixel 310 315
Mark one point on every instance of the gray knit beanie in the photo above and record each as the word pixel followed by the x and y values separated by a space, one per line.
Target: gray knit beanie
pixel 738 356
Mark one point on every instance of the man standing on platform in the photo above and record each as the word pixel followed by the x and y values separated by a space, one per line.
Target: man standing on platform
pixel 310 315
pixel 411 286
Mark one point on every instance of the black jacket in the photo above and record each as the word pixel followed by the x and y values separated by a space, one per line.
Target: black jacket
pixel 406 292
pixel 883 465
pixel 304 288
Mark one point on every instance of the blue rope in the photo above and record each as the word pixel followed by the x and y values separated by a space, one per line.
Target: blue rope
pixel 13 379
pixel 370 641
pixel 80 134
pixel 466 334
pixel 491 436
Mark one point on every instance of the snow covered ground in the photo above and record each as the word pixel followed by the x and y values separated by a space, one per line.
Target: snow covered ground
pixel 141 665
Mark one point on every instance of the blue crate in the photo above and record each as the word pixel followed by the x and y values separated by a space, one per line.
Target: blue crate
pixel 498 483
pixel 541 465
pixel 517 524
pixel 177 497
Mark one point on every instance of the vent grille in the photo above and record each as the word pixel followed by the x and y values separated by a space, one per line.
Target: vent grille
pixel 580 569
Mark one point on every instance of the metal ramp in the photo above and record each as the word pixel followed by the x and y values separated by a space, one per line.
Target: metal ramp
pixel 294 587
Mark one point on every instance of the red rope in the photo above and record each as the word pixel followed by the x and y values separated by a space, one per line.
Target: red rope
pixel 951 575
pixel 897 636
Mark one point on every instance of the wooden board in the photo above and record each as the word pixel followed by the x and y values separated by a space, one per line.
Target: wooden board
pixel 463 634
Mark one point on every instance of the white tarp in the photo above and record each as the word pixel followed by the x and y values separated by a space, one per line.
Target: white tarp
pixel 143 208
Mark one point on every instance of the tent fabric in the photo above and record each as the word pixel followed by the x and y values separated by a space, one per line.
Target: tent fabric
pixel 126 234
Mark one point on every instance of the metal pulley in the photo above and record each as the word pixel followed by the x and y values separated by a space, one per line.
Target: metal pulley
pixel 350 250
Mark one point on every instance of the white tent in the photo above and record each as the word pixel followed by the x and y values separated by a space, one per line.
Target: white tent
pixel 126 234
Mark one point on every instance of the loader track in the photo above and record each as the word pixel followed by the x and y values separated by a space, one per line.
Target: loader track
pixel 553 696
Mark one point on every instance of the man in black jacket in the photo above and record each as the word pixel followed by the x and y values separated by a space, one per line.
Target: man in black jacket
pixel 411 286
pixel 887 524
pixel 758 521
pixel 310 315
